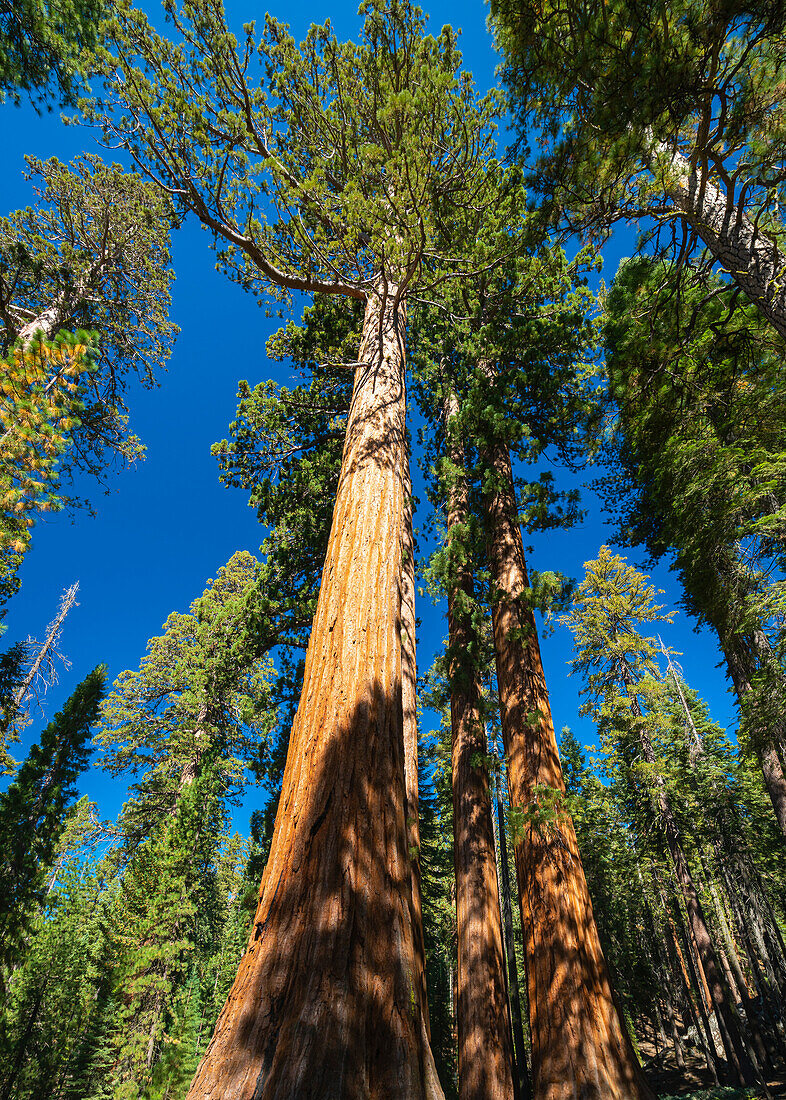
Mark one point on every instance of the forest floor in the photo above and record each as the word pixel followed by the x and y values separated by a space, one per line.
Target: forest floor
pixel 695 1082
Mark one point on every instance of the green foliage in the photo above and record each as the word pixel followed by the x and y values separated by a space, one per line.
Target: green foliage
pixel 47 48
pixel 607 91
pixel 200 690
pixel 55 997
pixel 699 471
pixel 325 167
pixel 285 450
pixel 607 606
pixel 93 253
pixel 12 665
pixel 33 809
pixel 159 918
pixel 40 415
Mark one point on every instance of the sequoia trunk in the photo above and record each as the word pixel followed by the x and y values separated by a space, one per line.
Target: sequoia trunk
pixel 579 1047
pixel 485 1051
pixel 514 997
pixel 325 1003
pixel 409 678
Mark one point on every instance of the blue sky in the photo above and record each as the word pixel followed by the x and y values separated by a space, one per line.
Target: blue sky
pixel 167 525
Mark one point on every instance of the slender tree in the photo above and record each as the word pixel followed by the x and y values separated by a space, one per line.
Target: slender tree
pixel 531 318
pixel 698 474
pixel 485 1049
pixel 615 659
pixel 201 689
pixel 32 810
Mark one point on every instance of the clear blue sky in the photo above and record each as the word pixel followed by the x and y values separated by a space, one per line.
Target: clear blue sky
pixel 167 525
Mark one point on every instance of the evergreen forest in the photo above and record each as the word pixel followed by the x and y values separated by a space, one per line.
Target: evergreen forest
pixel 393 550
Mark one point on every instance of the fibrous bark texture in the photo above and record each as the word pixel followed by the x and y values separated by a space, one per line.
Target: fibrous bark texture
pixel 736 241
pixel 485 1051
pixel 325 1004
pixel 409 676
pixel 579 1047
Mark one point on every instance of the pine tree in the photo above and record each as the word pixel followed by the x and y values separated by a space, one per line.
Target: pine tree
pixel 32 811
pixel 698 473
pixel 622 680
pixel 664 110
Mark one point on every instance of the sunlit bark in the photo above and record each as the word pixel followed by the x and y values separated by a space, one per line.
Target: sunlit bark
pixel 579 1046
pixel 325 1003
pixel 485 1051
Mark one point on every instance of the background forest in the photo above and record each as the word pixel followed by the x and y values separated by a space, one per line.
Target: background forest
pixel 589 358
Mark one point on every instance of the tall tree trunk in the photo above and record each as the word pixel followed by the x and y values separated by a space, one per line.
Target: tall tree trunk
pixel 325 1003
pixel 738 243
pixel 20 1049
pixel 525 1088
pixel 662 974
pixel 736 978
pixel 579 1046
pixel 409 677
pixel 485 1050
pixel 751 922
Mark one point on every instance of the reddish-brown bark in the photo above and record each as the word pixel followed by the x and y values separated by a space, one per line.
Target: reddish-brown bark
pixel 325 1002
pixel 409 678
pixel 485 1050
pixel 579 1046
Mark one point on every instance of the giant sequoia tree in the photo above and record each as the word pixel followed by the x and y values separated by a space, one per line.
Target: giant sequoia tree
pixel 518 362
pixel 329 175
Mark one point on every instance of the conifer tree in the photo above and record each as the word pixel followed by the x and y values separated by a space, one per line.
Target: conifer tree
pixel 670 111
pixel 485 1046
pixel 621 676
pixel 160 906
pixel 698 474
pixel 200 690
pixel 364 150
pixel 32 810
pixel 519 362
pixel 54 999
